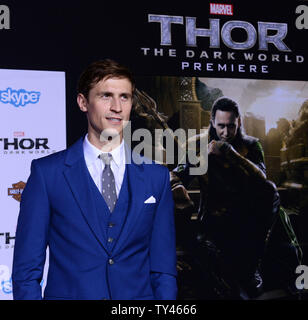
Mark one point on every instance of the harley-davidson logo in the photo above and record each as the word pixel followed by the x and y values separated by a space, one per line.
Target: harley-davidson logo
pixel 17 190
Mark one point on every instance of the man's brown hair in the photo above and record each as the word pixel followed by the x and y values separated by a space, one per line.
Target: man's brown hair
pixel 99 70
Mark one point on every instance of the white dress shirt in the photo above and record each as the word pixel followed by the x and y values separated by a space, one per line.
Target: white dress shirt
pixel 96 166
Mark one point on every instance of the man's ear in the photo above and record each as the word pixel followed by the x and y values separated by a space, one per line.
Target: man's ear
pixel 82 102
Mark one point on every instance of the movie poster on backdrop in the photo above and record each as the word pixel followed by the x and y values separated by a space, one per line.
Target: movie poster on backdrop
pixel 272 111
pixel 259 62
pixel 32 125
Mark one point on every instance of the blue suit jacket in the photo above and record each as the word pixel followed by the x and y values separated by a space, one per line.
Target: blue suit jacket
pixel 58 210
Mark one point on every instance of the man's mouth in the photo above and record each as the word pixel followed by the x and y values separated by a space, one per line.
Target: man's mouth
pixel 114 119
pixel 228 139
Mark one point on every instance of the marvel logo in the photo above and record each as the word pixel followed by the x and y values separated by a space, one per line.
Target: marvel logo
pixel 223 9
pixel 19 134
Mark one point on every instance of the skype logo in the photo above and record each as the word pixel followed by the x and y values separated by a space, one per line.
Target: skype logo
pixel 5 280
pixel 19 97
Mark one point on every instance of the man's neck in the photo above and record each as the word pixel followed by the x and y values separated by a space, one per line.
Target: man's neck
pixel 104 144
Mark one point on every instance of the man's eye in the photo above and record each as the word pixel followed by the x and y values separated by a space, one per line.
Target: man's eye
pixel 125 97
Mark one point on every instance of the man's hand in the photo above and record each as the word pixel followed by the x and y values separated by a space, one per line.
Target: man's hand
pixel 214 147
pixel 181 197
pixel 219 147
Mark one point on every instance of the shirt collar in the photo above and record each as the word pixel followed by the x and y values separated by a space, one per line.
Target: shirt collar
pixel 91 153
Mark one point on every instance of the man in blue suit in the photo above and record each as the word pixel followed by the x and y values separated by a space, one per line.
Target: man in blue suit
pixel 108 222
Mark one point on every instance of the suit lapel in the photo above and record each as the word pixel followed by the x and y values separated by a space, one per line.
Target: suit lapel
pixel 77 177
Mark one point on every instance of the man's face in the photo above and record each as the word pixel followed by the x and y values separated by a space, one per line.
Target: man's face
pixel 108 106
pixel 226 125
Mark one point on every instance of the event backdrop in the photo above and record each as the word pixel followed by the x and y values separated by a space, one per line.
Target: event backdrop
pixel 182 55
pixel 32 125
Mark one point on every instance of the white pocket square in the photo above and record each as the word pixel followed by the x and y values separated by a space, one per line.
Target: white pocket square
pixel 150 200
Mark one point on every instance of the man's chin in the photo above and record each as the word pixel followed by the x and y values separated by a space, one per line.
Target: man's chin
pixel 110 136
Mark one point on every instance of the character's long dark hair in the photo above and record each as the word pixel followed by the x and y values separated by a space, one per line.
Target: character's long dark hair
pixel 224 104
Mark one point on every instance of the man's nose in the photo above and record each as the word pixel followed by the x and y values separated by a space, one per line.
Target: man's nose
pixel 116 105
pixel 225 132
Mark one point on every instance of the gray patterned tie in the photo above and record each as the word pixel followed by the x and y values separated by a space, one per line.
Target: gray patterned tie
pixel 108 183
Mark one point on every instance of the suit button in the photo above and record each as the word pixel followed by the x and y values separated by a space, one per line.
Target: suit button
pixel 110 261
pixel 110 240
pixel 110 225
